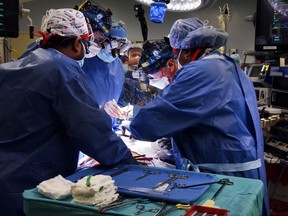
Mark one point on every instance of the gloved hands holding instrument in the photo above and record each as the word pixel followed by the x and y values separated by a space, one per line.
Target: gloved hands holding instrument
pixel 113 109
pixel 127 112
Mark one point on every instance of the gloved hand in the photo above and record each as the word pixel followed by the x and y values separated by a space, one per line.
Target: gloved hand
pixel 165 150
pixel 165 143
pixel 127 111
pixel 113 109
pixel 125 125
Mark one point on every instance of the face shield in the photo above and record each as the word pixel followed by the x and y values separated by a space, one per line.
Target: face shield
pixel 100 37
pixel 110 46
pixel 116 46
pixel 158 79
pixel 156 75
pixel 117 38
pixel 94 49
pixel 124 46
pixel 159 83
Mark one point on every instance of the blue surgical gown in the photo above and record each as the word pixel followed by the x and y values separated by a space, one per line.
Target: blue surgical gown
pixel 47 115
pixel 210 110
pixel 106 79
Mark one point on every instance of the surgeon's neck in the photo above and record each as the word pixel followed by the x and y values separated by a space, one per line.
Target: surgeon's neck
pixel 197 54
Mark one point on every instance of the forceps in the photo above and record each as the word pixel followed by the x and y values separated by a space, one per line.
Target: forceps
pixel 141 209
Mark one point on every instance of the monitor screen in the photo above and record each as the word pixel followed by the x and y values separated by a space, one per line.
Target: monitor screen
pixel 280 83
pixel 9 18
pixel 255 71
pixel 258 72
pixel 271 30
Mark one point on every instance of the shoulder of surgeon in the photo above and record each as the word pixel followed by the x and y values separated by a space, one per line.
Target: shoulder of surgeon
pixel 51 60
pixel 33 46
pixel 204 66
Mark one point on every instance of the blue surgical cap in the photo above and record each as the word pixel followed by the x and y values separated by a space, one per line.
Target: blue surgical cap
pixel 155 55
pixel 118 30
pixel 193 33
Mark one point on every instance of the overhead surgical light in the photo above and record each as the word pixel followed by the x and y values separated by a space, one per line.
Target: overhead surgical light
pixel 158 10
pixel 181 5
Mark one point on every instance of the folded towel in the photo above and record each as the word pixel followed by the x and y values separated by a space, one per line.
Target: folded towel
pixel 99 201
pixel 98 183
pixel 101 190
pixel 55 188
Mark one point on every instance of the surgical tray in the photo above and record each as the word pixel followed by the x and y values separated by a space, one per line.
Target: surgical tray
pixel 126 179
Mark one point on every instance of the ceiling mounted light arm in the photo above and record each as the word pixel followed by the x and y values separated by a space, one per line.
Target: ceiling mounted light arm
pixel 140 15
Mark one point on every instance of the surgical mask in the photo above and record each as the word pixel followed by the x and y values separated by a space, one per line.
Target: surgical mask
pixel 178 62
pixel 126 67
pixel 159 83
pixel 80 62
pixel 94 50
pixel 105 56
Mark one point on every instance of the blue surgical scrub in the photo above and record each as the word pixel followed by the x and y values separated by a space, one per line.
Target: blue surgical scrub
pixel 106 79
pixel 48 114
pixel 210 110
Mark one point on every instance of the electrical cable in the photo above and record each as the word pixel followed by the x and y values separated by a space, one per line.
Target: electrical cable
pixel 16 52
pixel 263 99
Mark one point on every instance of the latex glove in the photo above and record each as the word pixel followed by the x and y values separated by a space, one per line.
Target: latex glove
pixel 127 111
pixel 165 143
pixel 113 109
pixel 125 125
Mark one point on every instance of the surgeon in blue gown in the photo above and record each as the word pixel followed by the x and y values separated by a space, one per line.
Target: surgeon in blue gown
pixel 209 109
pixel 105 77
pixel 105 72
pixel 48 113
pixel 100 23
